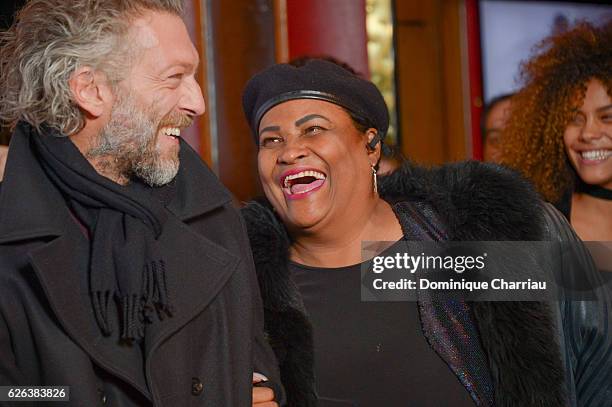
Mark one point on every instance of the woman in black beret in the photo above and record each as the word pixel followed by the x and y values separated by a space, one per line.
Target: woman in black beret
pixel 318 129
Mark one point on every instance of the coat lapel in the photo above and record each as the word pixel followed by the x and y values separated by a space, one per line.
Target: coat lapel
pixel 61 269
pixel 198 270
pixel 199 267
pixel 448 325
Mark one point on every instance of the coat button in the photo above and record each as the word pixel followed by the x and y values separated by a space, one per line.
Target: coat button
pixel 196 386
pixel 103 398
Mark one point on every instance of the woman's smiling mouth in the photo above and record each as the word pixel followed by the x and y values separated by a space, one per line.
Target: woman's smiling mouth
pixel 595 156
pixel 299 183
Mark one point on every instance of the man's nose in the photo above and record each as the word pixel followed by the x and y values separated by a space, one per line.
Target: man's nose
pixel 193 101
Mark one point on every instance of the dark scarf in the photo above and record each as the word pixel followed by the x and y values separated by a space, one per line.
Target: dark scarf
pixel 594 190
pixel 564 204
pixel 124 222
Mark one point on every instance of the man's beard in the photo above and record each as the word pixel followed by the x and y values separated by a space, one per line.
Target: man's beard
pixel 127 144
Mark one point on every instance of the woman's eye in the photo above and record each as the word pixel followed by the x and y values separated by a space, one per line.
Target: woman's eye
pixel 313 130
pixel 270 141
pixel 577 120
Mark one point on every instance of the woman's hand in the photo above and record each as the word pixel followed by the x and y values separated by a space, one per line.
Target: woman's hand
pixel 262 396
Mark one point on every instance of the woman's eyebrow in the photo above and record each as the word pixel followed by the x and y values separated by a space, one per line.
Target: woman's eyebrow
pixel 304 119
pixel 269 128
pixel 601 109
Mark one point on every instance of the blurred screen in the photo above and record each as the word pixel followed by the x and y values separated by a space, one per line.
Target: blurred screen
pixel 510 29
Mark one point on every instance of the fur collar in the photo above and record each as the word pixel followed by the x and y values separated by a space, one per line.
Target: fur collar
pixel 474 201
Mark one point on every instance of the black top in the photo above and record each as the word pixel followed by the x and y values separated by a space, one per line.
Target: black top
pixel 371 353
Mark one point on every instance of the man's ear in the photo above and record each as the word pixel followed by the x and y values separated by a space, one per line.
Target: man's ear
pixel 90 91
pixel 373 146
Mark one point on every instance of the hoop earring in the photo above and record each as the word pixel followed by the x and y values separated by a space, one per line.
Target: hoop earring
pixel 375 180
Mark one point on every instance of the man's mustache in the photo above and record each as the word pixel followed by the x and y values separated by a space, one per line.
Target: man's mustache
pixel 176 120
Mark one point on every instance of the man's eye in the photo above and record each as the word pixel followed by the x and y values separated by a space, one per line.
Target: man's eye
pixel 606 118
pixel 176 76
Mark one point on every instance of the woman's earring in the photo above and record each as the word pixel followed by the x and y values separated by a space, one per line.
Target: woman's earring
pixel 375 180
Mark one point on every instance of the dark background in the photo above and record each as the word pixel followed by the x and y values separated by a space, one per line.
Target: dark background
pixel 7 11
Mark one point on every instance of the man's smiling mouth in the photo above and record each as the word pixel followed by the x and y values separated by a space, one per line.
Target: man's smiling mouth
pixel 174 132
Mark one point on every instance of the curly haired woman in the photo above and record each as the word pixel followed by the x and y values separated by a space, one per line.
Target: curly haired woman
pixel 559 133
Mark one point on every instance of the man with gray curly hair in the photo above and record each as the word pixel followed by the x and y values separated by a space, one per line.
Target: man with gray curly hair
pixel 125 272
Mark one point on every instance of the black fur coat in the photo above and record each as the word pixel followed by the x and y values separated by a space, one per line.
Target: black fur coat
pixel 522 341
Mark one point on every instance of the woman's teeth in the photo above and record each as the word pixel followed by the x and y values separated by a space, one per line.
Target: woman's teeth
pixel 314 174
pixel 595 155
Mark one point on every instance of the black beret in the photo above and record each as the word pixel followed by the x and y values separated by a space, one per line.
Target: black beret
pixel 317 79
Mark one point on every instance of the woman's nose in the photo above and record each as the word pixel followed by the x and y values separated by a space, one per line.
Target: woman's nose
pixel 592 130
pixel 292 152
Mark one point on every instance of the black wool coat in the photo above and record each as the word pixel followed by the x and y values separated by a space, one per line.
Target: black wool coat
pixel 204 355
pixel 538 353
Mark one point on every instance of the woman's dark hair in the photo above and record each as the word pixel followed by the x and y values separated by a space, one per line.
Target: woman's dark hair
pixel 487 109
pixel 361 124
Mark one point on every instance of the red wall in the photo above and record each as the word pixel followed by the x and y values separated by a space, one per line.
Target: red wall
pixel 475 74
pixel 329 27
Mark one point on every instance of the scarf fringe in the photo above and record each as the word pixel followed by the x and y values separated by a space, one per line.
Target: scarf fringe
pixel 139 311
pixel 132 327
pixel 101 302
pixel 161 298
